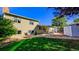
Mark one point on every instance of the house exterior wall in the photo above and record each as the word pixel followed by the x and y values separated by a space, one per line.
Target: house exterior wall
pixel 72 30
pixel 24 26
pixel 68 30
pixel 75 30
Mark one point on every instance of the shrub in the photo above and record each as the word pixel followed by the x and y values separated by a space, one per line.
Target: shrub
pixel 6 27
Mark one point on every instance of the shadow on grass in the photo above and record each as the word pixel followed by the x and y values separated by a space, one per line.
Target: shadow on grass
pixel 43 44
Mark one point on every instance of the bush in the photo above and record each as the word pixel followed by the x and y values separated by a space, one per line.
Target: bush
pixel 6 27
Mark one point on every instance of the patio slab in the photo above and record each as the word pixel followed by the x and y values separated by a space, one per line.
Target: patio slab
pixel 58 36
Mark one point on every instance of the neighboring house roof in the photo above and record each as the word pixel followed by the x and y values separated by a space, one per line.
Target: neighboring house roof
pixel 73 24
pixel 20 16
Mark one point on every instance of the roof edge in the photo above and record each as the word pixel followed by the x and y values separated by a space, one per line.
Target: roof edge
pixel 20 16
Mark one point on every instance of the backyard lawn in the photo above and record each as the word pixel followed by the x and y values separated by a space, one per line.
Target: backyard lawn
pixel 42 44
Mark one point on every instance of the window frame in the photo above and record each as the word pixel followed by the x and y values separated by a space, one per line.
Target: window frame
pixel 19 32
pixel 31 23
pixel 17 20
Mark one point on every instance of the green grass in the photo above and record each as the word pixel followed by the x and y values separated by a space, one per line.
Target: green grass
pixel 1 39
pixel 17 45
pixel 42 44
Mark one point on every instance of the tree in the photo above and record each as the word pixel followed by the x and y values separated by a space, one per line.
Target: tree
pixel 76 20
pixel 60 23
pixel 45 28
pixel 41 29
pixel 66 11
pixel 6 27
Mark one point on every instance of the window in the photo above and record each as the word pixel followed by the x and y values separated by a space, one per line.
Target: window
pixel 19 21
pixel 30 31
pixel 26 34
pixel 16 20
pixel 19 31
pixel 31 22
pixel 12 18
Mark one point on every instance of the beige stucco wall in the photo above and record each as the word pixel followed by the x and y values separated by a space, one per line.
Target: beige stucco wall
pixel 24 26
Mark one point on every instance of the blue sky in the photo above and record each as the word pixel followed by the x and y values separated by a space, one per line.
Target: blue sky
pixel 42 14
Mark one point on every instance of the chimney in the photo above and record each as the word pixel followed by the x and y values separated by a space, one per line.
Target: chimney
pixel 5 10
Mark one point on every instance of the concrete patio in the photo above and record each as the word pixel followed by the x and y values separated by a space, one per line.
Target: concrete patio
pixel 58 36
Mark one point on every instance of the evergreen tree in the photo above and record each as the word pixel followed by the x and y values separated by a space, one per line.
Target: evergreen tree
pixel 6 27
